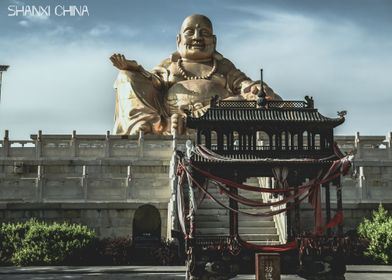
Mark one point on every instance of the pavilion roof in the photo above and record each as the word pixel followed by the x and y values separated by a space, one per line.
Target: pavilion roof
pixel 276 111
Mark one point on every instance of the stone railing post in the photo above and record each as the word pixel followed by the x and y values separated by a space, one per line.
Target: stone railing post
pixel 141 143
pixel 128 181
pixel 38 145
pixel 39 183
pixel 6 144
pixel 84 182
pixel 390 145
pixel 362 184
pixel 357 145
pixel 108 144
pixel 74 145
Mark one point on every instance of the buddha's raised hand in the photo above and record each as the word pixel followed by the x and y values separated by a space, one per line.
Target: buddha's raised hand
pixel 119 61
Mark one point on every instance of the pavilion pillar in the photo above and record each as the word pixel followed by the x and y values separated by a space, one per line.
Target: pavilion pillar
pixel 295 226
pixel 300 140
pixel 327 205
pixel 208 139
pixel 339 203
pixel 254 141
pixel 286 139
pixel 219 141
pixel 297 217
pixel 288 212
pixel 234 205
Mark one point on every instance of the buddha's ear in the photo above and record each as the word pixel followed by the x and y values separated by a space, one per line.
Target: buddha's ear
pixel 214 38
pixel 178 39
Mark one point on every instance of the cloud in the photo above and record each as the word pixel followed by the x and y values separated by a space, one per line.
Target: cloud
pixel 17 2
pixel 24 23
pixel 113 30
pixel 100 30
pixel 38 18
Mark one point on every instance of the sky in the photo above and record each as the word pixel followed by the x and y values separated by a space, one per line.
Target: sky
pixel 60 78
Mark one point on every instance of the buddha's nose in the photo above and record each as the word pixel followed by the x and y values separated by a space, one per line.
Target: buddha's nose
pixel 196 35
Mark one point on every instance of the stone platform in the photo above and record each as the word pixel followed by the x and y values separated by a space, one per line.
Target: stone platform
pixel 157 272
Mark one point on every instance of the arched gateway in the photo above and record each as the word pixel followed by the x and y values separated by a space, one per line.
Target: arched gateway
pixel 146 226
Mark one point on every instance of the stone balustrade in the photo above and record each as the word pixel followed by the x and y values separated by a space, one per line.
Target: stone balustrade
pixel 85 167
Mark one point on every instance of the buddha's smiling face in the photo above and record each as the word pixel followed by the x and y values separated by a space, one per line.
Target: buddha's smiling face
pixel 196 40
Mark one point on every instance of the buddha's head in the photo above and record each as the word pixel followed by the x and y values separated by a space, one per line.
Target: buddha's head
pixel 196 40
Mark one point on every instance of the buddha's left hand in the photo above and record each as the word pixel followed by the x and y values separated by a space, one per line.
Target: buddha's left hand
pixel 255 89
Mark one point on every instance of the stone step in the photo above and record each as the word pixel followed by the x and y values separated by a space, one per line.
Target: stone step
pixel 222 211
pixel 208 203
pixel 225 223
pixel 257 230
pixel 242 231
pixel 212 212
pixel 212 218
pixel 259 237
pixel 212 231
pixel 242 218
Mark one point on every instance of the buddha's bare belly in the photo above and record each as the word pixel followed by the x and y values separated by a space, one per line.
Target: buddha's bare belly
pixel 193 92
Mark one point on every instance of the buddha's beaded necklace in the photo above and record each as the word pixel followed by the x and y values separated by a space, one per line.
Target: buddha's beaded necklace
pixel 205 77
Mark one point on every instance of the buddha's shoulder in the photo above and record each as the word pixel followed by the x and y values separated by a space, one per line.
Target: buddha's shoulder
pixel 224 64
pixel 165 63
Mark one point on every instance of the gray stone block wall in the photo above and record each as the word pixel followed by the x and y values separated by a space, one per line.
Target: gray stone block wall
pixel 98 180
pixel 107 219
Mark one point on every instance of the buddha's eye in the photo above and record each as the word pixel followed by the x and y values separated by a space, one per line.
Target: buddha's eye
pixel 189 32
pixel 205 32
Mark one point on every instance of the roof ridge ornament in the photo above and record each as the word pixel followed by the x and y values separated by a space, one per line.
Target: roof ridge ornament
pixel 309 102
pixel 342 113
pixel 214 101
pixel 262 101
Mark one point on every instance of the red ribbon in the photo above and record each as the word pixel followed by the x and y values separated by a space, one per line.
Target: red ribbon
pixel 336 220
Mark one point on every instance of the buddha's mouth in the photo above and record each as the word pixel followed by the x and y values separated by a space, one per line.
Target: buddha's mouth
pixel 196 46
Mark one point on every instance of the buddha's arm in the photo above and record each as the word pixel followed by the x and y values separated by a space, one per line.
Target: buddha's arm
pixel 239 83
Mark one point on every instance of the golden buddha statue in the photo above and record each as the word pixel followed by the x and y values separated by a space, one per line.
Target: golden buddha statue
pixel 156 101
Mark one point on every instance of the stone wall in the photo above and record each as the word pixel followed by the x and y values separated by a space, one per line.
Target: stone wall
pixel 97 180
pixel 100 180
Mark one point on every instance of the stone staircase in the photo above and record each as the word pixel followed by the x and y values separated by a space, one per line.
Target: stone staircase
pixel 213 220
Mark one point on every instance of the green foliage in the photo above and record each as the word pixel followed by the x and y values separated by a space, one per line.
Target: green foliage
pixel 39 243
pixel 11 237
pixel 378 231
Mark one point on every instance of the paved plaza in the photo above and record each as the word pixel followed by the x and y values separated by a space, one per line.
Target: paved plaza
pixel 156 272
